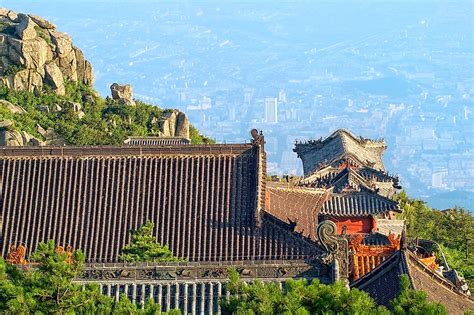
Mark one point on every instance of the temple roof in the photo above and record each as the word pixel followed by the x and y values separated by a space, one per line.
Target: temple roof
pixel 203 199
pixel 383 283
pixel 363 203
pixel 324 176
pixel 299 207
pixel 149 141
pixel 341 144
pixel 349 179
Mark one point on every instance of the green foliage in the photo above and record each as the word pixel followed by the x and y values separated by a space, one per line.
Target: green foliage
pixel 297 297
pixel 414 302
pixel 125 307
pixel 453 229
pixel 197 138
pixel 144 247
pixel 49 288
pixel 105 122
pixel 12 70
pixel 7 28
pixel 43 34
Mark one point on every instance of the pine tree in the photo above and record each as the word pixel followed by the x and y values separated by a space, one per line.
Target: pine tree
pixel 48 286
pixel 414 302
pixel 144 247
pixel 297 297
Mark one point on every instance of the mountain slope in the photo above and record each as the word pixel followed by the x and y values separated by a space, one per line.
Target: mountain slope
pixel 46 94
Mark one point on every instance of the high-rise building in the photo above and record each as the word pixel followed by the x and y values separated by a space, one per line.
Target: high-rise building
pixel 271 110
pixel 282 97
pixel 248 96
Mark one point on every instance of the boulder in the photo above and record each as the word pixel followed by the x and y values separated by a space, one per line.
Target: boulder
pixel 24 80
pixel 62 42
pixel 26 28
pixel 182 126
pixel 3 45
pixel 88 77
pixel 5 124
pixel 56 108
pixel 52 138
pixel 42 22
pixel 54 78
pixel 35 44
pixel 168 124
pixel 83 68
pixel 174 124
pixel 36 53
pixel 44 108
pixel 12 16
pixel 12 108
pixel 18 138
pixel 67 64
pixel 4 12
pixel 74 106
pixel 122 93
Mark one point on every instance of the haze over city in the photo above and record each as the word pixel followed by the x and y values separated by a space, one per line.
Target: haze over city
pixel 393 69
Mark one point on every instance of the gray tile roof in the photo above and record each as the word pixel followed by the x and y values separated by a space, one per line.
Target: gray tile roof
pixel 340 145
pixel 383 282
pixel 362 203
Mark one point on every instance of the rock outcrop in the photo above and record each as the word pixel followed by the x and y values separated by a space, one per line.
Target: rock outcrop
pixel 10 137
pixel 122 93
pixel 34 54
pixel 12 108
pixel 174 124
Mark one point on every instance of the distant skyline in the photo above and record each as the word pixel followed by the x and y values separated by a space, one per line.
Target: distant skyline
pixel 401 70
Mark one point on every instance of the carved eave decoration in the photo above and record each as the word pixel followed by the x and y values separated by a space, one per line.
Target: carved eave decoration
pixel 336 247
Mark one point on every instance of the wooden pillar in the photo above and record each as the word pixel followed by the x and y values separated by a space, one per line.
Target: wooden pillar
pixel 193 306
pixel 117 292
pixel 142 296
pixel 160 296
pixel 185 305
pixel 219 295
pixel 362 266
pixel 356 267
pixel 168 296
pixel 134 293
pixel 211 298
pixel 176 296
pixel 203 298
pixel 152 292
pixel 367 264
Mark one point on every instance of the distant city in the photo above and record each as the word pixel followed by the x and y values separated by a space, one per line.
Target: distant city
pixel 399 70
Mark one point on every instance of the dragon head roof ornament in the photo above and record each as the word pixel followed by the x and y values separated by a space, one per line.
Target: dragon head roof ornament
pixel 337 249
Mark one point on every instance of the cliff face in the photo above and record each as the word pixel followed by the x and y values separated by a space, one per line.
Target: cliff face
pixel 33 54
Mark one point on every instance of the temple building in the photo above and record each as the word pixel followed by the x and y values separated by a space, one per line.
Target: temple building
pixel 213 206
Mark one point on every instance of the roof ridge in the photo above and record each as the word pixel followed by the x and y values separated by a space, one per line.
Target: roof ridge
pixel 441 280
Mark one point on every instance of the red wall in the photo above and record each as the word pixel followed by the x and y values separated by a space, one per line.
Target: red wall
pixel 354 225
